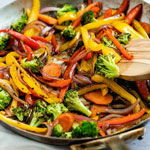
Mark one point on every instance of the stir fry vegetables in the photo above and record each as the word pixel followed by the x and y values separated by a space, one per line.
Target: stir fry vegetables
pixel 59 74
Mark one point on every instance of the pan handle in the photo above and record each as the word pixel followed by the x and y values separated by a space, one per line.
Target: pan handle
pixel 116 142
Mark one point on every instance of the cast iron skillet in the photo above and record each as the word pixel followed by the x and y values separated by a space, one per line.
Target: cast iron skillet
pixel 136 131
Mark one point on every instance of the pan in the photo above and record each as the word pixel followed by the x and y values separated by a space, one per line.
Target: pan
pixel 114 142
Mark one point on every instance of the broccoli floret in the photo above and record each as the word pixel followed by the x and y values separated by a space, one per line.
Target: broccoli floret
pixel 86 129
pixel 5 99
pixel 66 23
pixel 34 64
pixel 56 109
pixel 4 40
pixel 68 33
pixel 106 66
pixel 124 38
pixel 66 8
pixel 57 130
pixel 73 103
pixel 67 135
pixel 21 113
pixel 20 23
pixel 107 42
pixel 88 17
pixel 39 114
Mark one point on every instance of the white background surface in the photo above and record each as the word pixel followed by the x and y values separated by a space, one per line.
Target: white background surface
pixel 11 141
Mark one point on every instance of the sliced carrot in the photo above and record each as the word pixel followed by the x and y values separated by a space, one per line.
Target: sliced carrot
pixel 108 13
pixel 95 9
pixel 51 69
pixel 54 42
pixel 97 98
pixel 47 19
pixel 66 120
pixel 59 83
pixel 95 109
pixel 146 26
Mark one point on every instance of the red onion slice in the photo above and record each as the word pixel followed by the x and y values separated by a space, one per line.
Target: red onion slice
pixel 19 52
pixel 48 9
pixel 109 117
pixel 122 111
pixel 82 118
pixel 84 79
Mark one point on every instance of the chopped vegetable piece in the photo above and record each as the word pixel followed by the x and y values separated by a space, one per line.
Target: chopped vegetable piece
pixel 86 129
pixel 20 23
pixel 57 130
pixel 73 103
pixel 4 40
pixel 35 64
pixel 106 66
pixel 5 99
pixel 97 98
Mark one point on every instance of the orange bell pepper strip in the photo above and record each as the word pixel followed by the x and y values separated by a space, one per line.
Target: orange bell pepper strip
pixel 29 52
pixel 77 21
pixel 132 14
pixel 118 45
pixel 54 42
pixel 47 19
pixel 123 120
pixel 108 13
pixel 123 7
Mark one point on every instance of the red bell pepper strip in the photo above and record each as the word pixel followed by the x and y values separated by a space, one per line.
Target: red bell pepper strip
pixel 3 52
pixel 142 88
pixel 118 45
pixel 132 14
pixel 123 7
pixel 40 38
pixel 28 41
pixel 63 92
pixel 88 56
pixel 29 52
pixel 95 9
pixel 123 120
pixel 54 42
pixel 77 21
pixel 90 2
pixel 108 13
pixel 29 99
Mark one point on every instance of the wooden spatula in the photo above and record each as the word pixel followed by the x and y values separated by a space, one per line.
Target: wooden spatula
pixel 139 67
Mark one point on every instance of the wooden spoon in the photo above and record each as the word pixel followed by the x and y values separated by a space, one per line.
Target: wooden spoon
pixel 139 67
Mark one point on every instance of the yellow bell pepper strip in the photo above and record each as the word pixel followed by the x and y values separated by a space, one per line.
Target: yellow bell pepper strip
pixel 93 46
pixel 33 16
pixel 90 88
pixel 69 16
pixel 60 27
pixel 14 86
pixel 125 28
pixel 2 59
pixel 85 37
pixel 21 87
pixel 3 65
pixel 22 125
pixel 99 23
pixel 141 102
pixel 140 29
pixel 104 91
pixel 49 37
pixel 69 44
pixel 117 89
pixel 38 90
